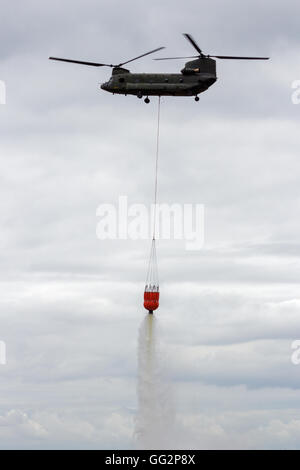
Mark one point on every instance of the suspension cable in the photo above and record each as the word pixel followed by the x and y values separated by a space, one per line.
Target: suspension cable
pixel 151 292
pixel 156 167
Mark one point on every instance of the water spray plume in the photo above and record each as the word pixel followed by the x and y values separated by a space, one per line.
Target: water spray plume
pixel 155 422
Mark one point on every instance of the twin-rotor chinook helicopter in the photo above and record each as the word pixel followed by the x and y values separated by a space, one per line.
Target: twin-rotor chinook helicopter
pixel 196 76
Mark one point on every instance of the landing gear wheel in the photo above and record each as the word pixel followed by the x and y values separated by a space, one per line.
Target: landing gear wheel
pixel 197 98
pixel 139 94
pixel 147 100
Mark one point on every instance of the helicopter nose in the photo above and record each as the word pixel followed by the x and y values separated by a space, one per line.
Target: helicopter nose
pixel 104 86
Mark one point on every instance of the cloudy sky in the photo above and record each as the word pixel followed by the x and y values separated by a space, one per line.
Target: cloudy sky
pixel 71 305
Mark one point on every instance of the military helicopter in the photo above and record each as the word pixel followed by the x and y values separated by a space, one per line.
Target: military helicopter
pixel 195 78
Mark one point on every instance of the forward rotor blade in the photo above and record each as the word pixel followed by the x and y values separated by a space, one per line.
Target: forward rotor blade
pixel 193 42
pixel 94 64
pixel 238 58
pixel 143 55
pixel 170 58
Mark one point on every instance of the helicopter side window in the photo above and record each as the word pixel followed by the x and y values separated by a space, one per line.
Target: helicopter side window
pixel 181 80
pixel 121 80
pixel 166 80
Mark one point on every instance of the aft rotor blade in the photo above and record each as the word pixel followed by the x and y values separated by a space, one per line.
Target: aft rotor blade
pixel 143 55
pixel 94 64
pixel 171 58
pixel 193 42
pixel 238 58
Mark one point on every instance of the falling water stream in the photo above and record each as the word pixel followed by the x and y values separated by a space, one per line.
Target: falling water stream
pixel 155 421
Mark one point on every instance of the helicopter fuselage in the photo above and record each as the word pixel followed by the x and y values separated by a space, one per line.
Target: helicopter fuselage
pixel 158 84
pixel 196 77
